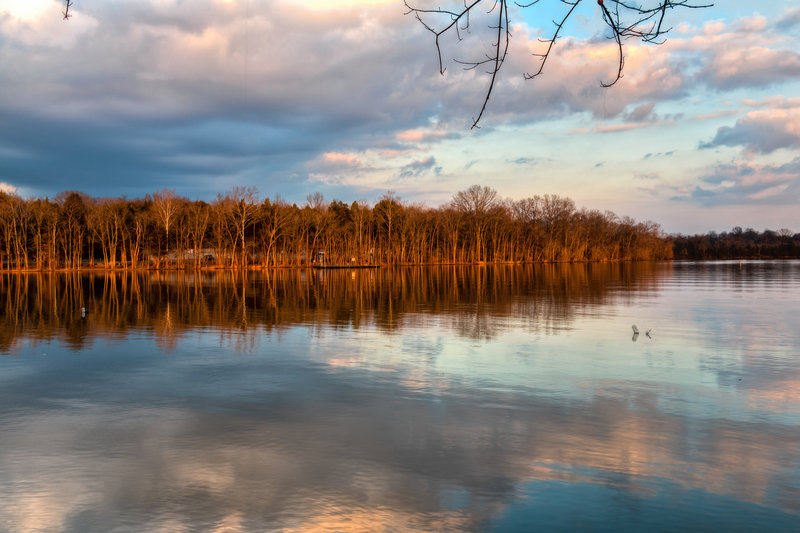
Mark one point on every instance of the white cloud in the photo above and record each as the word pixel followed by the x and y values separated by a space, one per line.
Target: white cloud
pixel 7 188
pixel 39 23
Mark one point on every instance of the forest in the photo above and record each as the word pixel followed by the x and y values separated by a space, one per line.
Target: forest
pixel 238 230
pixel 738 244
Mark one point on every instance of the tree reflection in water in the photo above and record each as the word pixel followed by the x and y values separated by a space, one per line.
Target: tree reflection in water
pixel 470 299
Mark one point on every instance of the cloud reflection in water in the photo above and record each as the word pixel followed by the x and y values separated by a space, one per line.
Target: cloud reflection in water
pixel 372 407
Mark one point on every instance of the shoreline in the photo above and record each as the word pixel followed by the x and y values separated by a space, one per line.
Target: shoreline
pixel 256 268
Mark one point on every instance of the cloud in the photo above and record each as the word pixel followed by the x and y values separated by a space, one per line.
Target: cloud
pixel 419 168
pixel 789 19
pixel 337 168
pixel 761 131
pixel 198 99
pixel 169 60
pixel 749 67
pixel 32 23
pixel 129 97
pixel 613 128
pixel 717 114
pixel 571 80
pixel 426 136
pixel 7 188
pixel 648 155
pixel 602 127
pixel 641 113
pixel 647 176
pixel 337 161
pixel 744 53
pixel 748 183
pixel 773 102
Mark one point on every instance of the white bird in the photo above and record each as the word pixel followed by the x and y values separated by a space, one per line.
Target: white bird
pixel 635 329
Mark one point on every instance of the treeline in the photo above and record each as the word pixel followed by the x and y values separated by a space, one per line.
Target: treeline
pixel 238 230
pixel 738 244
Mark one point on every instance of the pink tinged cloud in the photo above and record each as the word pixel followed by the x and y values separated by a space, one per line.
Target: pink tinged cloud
pixel 773 102
pixel 339 160
pixel 749 52
pixel 425 136
pixel 744 182
pixel 330 166
pixel 615 128
pixel 752 66
pixel 761 132
pixel 770 191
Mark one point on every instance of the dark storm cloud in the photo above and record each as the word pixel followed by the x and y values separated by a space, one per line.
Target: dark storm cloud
pixel 124 159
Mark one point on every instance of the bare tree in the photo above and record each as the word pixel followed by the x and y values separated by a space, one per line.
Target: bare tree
pixel 199 215
pixel 243 212
pixel 275 218
pixel 625 19
pixel 222 231
pixel 315 200
pixel 316 221
pixel 476 203
pixel 388 213
pixel 72 222
pixel 361 215
pixel 166 204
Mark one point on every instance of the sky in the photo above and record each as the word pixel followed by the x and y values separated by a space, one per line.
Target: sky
pixel 344 97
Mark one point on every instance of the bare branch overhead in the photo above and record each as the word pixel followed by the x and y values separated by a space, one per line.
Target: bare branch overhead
pixel 624 19
pixel 66 11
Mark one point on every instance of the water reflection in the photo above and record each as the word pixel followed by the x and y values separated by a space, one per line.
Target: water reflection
pixel 47 306
pixel 504 399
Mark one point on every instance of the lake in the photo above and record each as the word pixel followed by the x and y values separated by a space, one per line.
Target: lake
pixel 494 398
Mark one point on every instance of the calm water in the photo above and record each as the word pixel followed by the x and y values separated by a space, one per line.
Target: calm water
pixel 442 399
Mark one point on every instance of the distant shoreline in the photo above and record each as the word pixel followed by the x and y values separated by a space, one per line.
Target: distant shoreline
pixel 256 268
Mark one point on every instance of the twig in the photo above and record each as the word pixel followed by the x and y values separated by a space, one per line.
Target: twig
pixel 625 20
pixel 66 14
